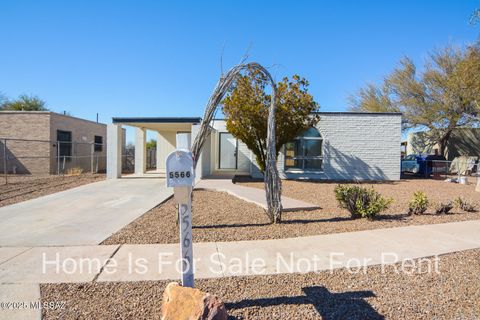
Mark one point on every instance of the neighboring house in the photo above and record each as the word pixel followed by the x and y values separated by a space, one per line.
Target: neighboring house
pixel 44 142
pixel 463 141
pixel 343 146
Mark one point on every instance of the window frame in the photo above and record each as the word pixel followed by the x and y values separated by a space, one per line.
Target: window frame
pixel 302 158
pixel 97 146
pixel 67 145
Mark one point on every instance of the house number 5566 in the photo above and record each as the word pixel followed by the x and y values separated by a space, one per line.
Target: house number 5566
pixel 180 174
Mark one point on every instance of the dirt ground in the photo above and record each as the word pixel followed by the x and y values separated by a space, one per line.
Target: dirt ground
pixel 21 188
pixel 218 216
pixel 451 291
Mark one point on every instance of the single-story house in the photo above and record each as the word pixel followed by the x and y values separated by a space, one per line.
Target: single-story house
pixel 343 146
pixel 45 142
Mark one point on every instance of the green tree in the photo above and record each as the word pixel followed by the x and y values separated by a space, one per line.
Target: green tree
pixel 24 103
pixel 441 98
pixel 152 144
pixel 246 110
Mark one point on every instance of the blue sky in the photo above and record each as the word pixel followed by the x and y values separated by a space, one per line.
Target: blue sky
pixel 153 58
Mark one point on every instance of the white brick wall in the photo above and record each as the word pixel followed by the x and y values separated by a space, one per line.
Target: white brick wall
pixel 356 146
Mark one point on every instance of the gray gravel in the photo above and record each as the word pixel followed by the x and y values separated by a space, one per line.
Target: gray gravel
pixel 218 216
pixel 454 293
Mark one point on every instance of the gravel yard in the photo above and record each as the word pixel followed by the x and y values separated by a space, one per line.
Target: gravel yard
pixel 452 293
pixel 321 193
pixel 218 216
pixel 21 188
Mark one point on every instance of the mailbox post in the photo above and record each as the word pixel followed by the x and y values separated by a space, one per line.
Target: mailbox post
pixel 181 176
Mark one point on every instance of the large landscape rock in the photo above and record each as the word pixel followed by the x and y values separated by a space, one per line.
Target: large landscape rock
pixel 191 304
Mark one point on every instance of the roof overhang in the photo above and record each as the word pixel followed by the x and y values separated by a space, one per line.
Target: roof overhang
pixel 160 123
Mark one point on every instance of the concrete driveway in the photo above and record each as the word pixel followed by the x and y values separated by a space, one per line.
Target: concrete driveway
pixel 85 215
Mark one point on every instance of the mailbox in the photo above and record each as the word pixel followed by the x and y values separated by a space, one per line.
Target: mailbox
pixel 181 177
pixel 179 167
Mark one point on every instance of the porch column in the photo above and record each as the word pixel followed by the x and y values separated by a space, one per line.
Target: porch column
pixel 159 156
pixel 114 151
pixel 165 145
pixel 140 151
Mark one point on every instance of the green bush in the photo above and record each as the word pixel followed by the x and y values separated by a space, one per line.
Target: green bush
pixel 443 208
pixel 361 202
pixel 466 205
pixel 418 204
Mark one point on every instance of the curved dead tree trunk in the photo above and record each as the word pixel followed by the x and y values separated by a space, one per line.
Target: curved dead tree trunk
pixel 272 180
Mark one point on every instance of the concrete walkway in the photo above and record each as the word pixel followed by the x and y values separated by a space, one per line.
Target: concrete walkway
pixel 85 215
pixel 254 195
pixel 22 269
pixel 219 259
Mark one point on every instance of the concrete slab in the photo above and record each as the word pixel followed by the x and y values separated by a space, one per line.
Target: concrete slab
pixel 239 258
pixel 353 249
pixel 20 301
pixel 8 253
pixel 253 195
pixel 459 230
pixel 56 264
pixel 85 215
pixel 419 241
pixel 159 262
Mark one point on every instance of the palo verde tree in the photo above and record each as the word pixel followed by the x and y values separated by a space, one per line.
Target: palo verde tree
pixel 24 103
pixel 246 110
pixel 444 96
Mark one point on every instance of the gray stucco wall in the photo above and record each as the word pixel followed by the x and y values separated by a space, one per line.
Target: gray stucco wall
pixel 356 146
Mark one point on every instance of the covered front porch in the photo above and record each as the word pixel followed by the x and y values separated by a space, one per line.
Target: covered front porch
pixel 222 154
pixel 169 133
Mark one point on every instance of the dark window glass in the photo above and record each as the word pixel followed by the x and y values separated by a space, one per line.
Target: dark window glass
pixel 98 143
pixel 64 139
pixel 305 152
pixel 313 147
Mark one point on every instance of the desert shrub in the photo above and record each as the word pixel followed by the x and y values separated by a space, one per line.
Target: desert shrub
pixel 466 205
pixel 75 171
pixel 361 202
pixel 418 204
pixel 443 208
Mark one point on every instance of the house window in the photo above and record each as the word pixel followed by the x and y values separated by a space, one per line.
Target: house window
pixel 64 139
pixel 305 152
pixel 98 143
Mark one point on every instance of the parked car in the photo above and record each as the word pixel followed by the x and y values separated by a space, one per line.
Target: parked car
pixel 424 164
pixel 411 163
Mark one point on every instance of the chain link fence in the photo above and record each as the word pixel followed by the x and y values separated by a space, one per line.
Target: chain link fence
pixel 461 170
pixel 36 158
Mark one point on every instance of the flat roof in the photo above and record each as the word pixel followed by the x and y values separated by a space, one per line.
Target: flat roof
pixel 51 113
pixel 156 120
pixel 198 119
pixel 359 113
